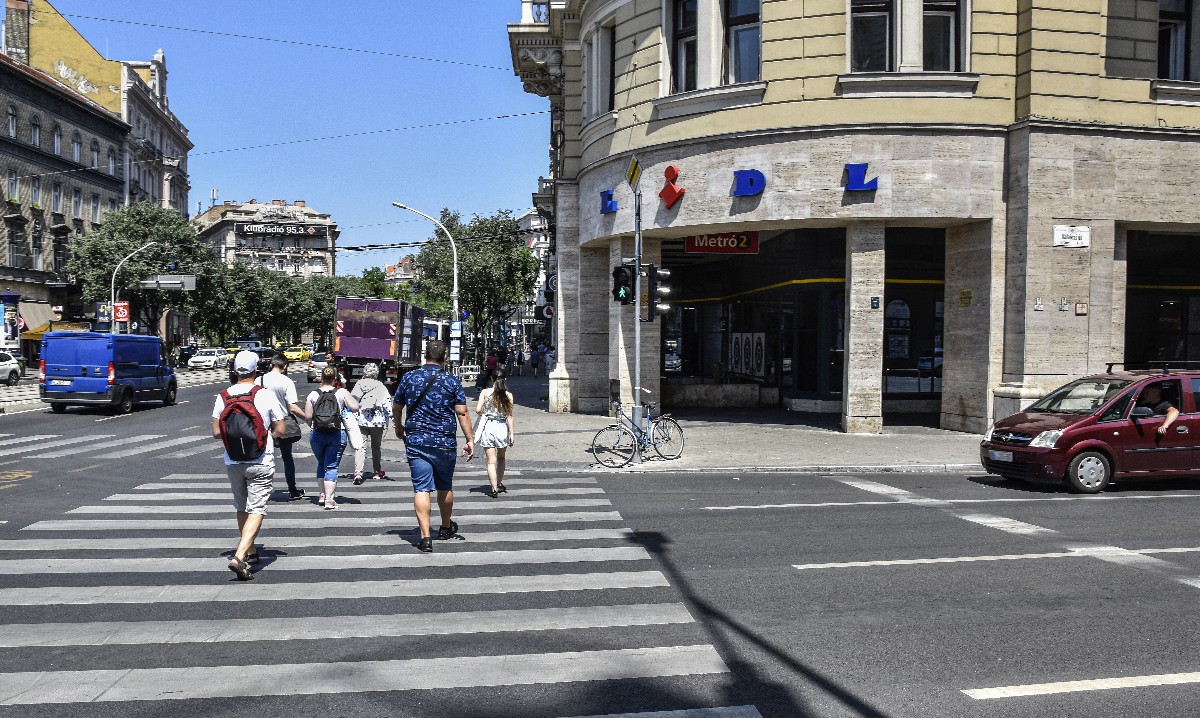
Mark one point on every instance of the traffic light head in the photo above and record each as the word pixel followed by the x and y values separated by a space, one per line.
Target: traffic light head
pixel 656 293
pixel 623 288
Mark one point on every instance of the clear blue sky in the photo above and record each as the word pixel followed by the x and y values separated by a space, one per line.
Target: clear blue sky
pixel 233 92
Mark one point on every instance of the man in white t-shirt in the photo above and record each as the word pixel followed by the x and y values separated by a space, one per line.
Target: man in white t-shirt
pixel 250 481
pixel 279 382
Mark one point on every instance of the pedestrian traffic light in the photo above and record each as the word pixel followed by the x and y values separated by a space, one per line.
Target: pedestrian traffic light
pixel 656 294
pixel 623 284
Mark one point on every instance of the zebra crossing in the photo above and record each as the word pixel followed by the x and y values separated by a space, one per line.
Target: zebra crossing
pixel 545 594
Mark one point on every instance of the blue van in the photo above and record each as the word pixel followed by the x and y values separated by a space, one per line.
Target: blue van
pixel 96 369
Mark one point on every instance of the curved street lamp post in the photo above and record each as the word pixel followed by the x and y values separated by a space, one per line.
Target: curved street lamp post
pixel 112 294
pixel 454 317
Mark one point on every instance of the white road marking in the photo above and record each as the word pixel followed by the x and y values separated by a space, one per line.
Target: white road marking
pixel 399 478
pixel 1022 500
pixel 731 712
pixel 156 543
pixel 30 566
pixel 900 495
pixel 102 445
pixel 114 416
pixel 349 626
pixel 947 559
pixel 296 507
pixel 238 591
pixel 1095 684
pixel 193 451
pixel 147 448
pixel 29 439
pixel 1007 525
pixel 320 520
pixel 146 684
pixel 51 444
pixel 220 491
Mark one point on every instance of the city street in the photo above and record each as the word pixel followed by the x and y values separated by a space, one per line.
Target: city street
pixel 578 593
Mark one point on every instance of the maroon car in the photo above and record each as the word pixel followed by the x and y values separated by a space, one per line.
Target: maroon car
pixel 1101 428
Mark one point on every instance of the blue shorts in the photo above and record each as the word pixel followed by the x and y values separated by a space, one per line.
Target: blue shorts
pixel 431 468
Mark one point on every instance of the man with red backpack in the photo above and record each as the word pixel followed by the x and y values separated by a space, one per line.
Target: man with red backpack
pixel 247 418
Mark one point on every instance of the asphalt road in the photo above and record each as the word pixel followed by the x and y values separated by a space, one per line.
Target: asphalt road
pixel 579 595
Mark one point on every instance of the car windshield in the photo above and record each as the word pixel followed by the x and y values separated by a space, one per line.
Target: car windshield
pixel 1081 397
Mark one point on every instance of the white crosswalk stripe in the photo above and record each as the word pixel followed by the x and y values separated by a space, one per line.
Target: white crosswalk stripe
pixel 147 448
pixel 9 450
pixel 146 569
pixel 125 441
pixel 27 440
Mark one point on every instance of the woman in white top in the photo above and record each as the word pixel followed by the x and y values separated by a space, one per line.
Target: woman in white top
pixel 494 432
pixel 328 445
pixel 374 415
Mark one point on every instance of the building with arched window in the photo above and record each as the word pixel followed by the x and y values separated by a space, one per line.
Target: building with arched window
pixel 870 205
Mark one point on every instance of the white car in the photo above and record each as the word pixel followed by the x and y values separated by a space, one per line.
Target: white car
pixel 10 369
pixel 209 359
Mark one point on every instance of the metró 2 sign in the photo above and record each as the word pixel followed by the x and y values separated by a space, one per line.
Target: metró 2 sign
pixel 724 243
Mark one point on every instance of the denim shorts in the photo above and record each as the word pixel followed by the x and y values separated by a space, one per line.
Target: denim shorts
pixel 431 468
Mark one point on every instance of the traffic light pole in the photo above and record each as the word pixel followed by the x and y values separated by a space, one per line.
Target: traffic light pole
pixel 637 311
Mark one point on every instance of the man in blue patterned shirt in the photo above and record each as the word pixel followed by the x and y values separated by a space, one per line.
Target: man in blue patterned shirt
pixel 430 407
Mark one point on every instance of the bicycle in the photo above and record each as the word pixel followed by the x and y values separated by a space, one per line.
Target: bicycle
pixel 615 446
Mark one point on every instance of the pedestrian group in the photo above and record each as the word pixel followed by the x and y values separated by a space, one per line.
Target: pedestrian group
pixel 428 410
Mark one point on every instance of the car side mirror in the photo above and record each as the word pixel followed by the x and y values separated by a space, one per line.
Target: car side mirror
pixel 1141 412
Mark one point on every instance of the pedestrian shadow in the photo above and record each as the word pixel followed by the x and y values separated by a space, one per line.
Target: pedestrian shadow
pixel 751 684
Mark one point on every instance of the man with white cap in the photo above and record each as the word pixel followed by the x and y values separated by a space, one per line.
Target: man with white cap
pixel 247 420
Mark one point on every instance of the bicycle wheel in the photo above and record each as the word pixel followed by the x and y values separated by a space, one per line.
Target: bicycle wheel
pixel 614 446
pixel 667 437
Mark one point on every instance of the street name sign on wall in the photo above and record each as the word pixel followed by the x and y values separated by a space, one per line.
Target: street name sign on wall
pixel 724 243
pixel 1072 235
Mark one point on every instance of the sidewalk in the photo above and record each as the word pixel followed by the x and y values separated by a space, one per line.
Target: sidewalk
pixel 735 439
pixel 25 394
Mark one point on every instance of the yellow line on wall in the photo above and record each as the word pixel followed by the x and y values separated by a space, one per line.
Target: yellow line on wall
pixel 1167 287
pixel 794 282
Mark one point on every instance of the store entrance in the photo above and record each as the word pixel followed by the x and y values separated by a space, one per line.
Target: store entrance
pixel 913 304
pixel 1162 306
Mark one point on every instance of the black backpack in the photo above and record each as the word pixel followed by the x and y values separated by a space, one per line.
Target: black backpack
pixel 327 413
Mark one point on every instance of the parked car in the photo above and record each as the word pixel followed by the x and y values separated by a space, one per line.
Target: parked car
pixel 186 353
pixel 298 353
pixel 93 368
pixel 672 363
pixel 1099 429
pixel 930 363
pixel 11 369
pixel 211 358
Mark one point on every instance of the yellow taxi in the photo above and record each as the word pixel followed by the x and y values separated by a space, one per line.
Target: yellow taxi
pixel 297 354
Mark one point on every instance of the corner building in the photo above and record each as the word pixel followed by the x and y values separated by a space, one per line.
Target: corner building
pixel 956 204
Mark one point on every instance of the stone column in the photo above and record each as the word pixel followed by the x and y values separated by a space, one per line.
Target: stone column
pixel 862 378
pixel 1106 308
pixel 912 28
pixel 563 392
pixel 973 334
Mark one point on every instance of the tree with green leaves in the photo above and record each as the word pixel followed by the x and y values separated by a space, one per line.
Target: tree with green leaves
pixel 177 249
pixel 496 270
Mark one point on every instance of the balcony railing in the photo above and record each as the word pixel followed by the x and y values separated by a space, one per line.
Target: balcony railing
pixel 535 11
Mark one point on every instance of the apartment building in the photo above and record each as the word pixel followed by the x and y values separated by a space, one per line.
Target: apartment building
pixel 871 205
pixel 285 237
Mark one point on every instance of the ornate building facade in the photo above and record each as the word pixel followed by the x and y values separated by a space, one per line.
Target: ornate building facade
pixel 290 238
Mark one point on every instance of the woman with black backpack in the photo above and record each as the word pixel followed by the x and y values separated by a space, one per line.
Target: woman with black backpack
pixel 323 411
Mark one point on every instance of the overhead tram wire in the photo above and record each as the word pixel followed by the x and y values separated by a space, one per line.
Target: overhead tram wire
pixel 282 41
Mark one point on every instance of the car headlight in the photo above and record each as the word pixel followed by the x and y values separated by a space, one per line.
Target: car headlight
pixel 1046 439
pixel 987 436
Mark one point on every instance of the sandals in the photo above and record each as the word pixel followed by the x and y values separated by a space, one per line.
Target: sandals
pixel 425 545
pixel 448 532
pixel 492 492
pixel 252 558
pixel 241 568
pixel 501 488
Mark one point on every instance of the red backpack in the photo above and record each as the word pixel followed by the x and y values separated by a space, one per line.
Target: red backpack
pixel 242 427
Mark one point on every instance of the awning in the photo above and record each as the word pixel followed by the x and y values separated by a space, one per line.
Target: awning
pixel 35 335
pixel 37 316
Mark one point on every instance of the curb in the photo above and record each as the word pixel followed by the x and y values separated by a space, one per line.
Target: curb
pixel 835 469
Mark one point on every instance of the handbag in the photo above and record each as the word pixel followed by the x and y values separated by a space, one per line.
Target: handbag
pixel 291 430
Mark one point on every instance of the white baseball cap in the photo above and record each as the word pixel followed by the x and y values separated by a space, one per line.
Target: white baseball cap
pixel 246 362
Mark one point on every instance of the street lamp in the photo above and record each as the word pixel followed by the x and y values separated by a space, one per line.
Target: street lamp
pixel 112 294
pixel 453 253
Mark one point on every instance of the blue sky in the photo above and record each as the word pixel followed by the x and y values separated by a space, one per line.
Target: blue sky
pixel 236 93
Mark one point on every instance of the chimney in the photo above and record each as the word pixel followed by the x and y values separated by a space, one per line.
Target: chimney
pixel 277 202
pixel 253 201
pixel 300 203
pixel 16 30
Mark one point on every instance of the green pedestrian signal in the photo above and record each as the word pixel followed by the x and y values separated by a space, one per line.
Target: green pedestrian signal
pixel 623 284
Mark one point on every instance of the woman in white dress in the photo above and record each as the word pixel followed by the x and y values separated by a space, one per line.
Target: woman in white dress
pixel 494 432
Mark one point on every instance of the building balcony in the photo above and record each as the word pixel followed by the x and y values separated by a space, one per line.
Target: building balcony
pixel 536 52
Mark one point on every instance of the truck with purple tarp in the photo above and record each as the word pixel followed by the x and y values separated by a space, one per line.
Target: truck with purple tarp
pixel 384 331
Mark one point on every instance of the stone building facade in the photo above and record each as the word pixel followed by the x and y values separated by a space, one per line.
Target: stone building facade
pixel 154 153
pixel 879 205
pixel 291 238
pixel 57 186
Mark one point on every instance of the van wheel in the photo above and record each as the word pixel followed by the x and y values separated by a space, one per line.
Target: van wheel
pixel 1088 473
pixel 169 397
pixel 58 408
pixel 126 405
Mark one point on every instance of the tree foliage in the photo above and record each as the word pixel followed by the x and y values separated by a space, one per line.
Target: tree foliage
pixel 496 271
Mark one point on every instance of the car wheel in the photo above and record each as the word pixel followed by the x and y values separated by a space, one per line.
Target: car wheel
pixel 1089 473
pixel 58 408
pixel 13 378
pixel 126 405
pixel 169 397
